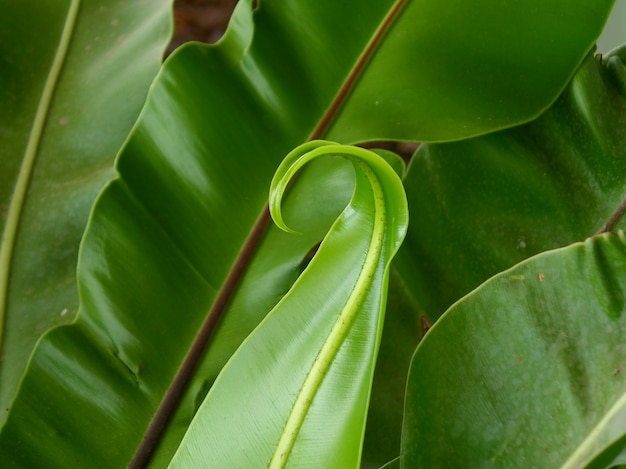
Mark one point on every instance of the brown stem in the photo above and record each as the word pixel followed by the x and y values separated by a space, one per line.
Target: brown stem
pixel 356 71
pixel 174 394
pixel 615 218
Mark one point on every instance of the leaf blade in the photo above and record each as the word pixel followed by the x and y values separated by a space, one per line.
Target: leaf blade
pixel 63 119
pixel 288 110
pixel 357 287
pixel 540 186
pixel 528 51
pixel 16 204
pixel 531 371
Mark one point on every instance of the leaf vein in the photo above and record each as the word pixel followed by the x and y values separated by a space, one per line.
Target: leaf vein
pixel 16 206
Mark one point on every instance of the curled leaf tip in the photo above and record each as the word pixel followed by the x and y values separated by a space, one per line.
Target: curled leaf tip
pixel 308 151
pixel 385 201
pixel 340 299
pixel 284 174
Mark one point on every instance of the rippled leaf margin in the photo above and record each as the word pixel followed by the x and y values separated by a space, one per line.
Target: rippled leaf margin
pixel 118 337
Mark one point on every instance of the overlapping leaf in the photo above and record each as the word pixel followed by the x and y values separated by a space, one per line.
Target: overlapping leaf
pixel 74 75
pixel 488 203
pixel 192 182
pixel 570 183
pixel 533 369
pixel 462 69
pixel 305 373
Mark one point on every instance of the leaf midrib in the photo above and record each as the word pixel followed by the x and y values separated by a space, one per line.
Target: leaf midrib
pixel 585 448
pixel 168 405
pixel 18 199
pixel 339 331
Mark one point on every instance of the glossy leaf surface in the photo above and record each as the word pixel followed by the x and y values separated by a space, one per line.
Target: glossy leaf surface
pixel 192 182
pixel 193 185
pixel 462 69
pixel 487 203
pixel 74 77
pixel 304 375
pixel 533 369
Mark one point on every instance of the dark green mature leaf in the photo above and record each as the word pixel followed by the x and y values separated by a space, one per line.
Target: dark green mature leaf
pixel 193 177
pixel 533 369
pixel 74 75
pixel 462 69
pixel 487 203
pixel 297 391
pixel 321 191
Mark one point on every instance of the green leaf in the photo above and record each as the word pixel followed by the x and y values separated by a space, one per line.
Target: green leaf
pixel 323 188
pixel 463 69
pixel 487 203
pixel 394 464
pixel 612 456
pixel 174 239
pixel 533 369
pixel 297 390
pixel 74 77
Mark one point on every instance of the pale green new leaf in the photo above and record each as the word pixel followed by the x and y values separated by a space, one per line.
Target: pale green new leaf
pixel 482 66
pixel 192 182
pixel 529 369
pixel 296 392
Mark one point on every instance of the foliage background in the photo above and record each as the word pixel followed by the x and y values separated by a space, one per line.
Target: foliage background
pixel 126 361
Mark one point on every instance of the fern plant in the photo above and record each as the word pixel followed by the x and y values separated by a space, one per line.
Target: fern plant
pixel 464 310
